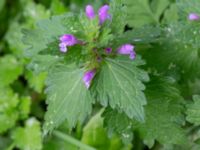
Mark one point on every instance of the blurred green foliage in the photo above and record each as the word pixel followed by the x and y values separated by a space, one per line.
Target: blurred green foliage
pixel 163 36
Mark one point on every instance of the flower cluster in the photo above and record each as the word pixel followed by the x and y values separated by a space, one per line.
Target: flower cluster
pixel 68 40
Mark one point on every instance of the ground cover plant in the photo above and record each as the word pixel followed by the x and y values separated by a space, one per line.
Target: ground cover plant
pixel 100 75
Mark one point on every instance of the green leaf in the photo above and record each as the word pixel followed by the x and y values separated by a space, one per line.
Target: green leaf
pixel 14 36
pixel 142 35
pixel 28 137
pixel 39 38
pixel 95 135
pixel 43 39
pixel 119 84
pixel 10 69
pixel 8 109
pixel 118 123
pixel 185 33
pixel 27 18
pixel 142 12
pixel 186 7
pixel 24 107
pixel 193 111
pixel 158 7
pixel 119 14
pixel 163 113
pixel 36 82
pixel 179 47
pixel 42 63
pixel 2 3
pixel 34 12
pixel 57 7
pixel 67 97
pixel 171 14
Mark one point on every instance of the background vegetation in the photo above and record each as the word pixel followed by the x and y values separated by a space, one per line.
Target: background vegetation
pixel 165 39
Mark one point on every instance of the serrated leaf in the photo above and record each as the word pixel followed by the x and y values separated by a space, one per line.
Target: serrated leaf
pixel 24 107
pixel 34 11
pixel 142 35
pixel 67 97
pixel 36 82
pixel 29 137
pixel 42 63
pixel 184 33
pixel 95 135
pixel 193 111
pixel 143 12
pixel 163 113
pixel 119 84
pixel 13 37
pixel 119 14
pixel 43 40
pixel 8 109
pixel 118 123
pixel 10 69
pixel 180 47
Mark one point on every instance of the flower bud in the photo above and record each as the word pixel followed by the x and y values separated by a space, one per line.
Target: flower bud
pixel 89 11
pixel 88 76
pixel 103 14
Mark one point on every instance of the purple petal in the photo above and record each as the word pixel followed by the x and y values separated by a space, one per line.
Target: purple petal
pixel 108 50
pixel 68 39
pixel 88 76
pixel 63 47
pixel 132 55
pixel 89 11
pixel 193 16
pixel 126 49
pixel 103 14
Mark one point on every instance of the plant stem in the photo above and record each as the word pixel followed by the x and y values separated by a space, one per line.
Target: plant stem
pixel 11 146
pixel 72 140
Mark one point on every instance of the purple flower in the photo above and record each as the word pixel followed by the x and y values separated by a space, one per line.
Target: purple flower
pixel 132 55
pixel 193 16
pixel 67 40
pixel 63 47
pixel 89 11
pixel 103 14
pixel 88 76
pixel 127 49
pixel 108 50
